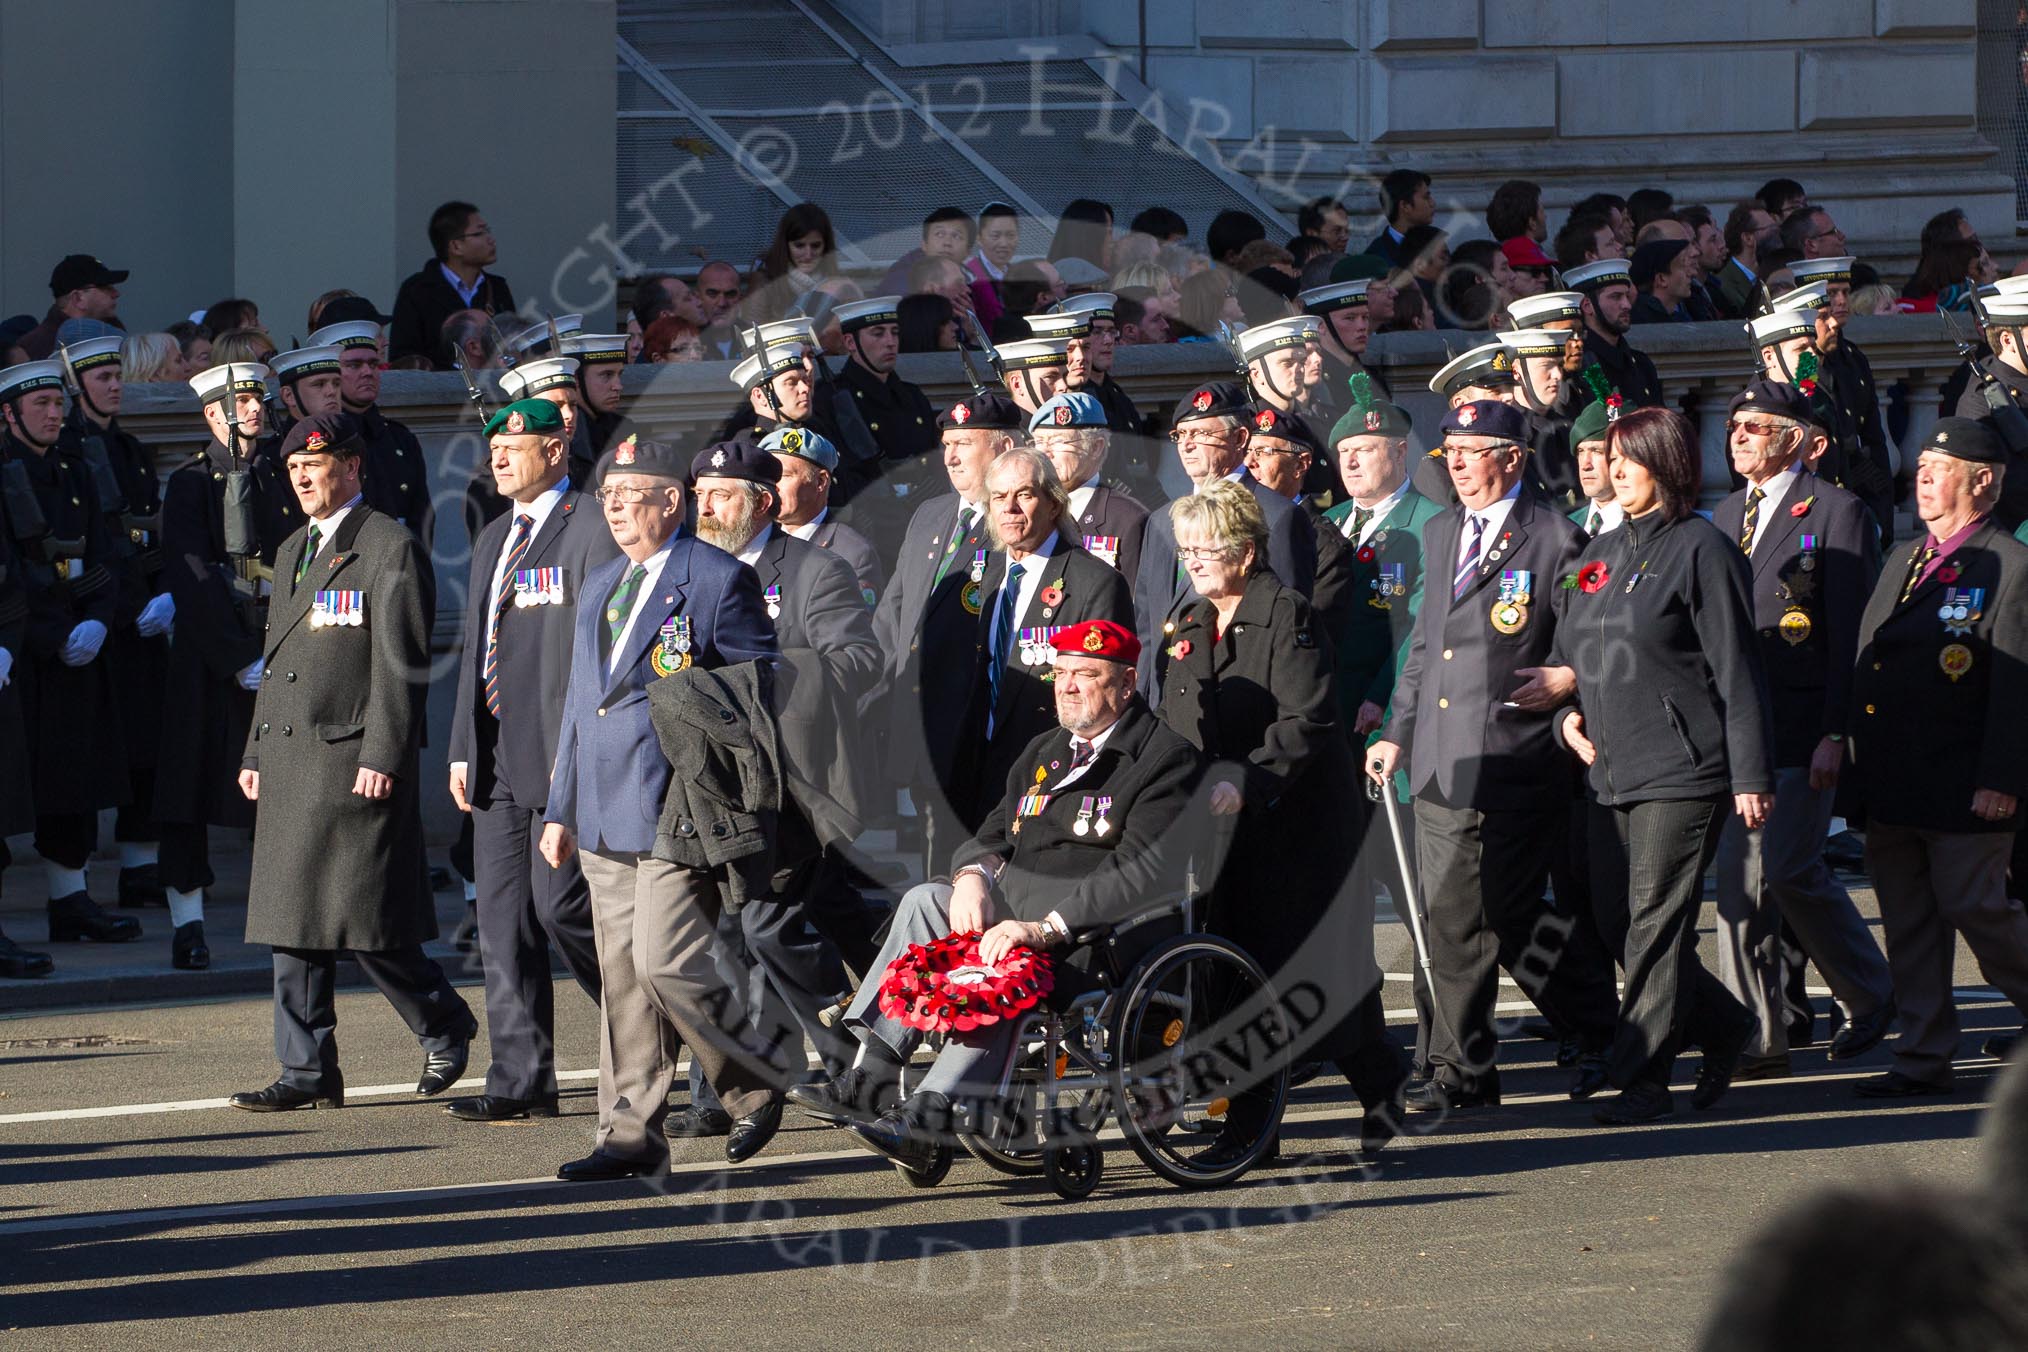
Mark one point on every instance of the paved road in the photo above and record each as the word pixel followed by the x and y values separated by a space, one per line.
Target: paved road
pixel 140 1209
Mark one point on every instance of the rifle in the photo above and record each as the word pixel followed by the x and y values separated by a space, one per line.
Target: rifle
pixel 242 518
pixel 970 321
pixel 472 390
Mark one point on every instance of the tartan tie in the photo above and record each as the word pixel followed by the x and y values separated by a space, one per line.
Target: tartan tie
pixel 1468 567
pixel 310 543
pixel 1916 567
pixel 1752 521
pixel 524 527
pixel 622 605
pixel 1081 753
pixel 1360 516
pixel 1593 519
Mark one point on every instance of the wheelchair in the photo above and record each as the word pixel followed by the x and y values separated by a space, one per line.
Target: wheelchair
pixel 1168 1032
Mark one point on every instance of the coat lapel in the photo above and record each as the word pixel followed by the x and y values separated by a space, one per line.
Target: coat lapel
pixel 325 570
pixel 1802 488
pixel 551 532
pixel 1952 560
pixel 1498 549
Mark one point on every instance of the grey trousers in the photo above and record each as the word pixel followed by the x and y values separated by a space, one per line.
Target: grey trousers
pixel 970 1064
pixel 1934 886
pixel 1778 873
pixel 660 987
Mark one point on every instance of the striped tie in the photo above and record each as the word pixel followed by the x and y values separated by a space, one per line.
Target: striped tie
pixel 1916 566
pixel 1468 567
pixel 310 543
pixel 958 534
pixel 524 528
pixel 1752 521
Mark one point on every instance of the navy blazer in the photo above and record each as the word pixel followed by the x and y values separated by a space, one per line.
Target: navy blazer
pixel 535 649
pixel 611 776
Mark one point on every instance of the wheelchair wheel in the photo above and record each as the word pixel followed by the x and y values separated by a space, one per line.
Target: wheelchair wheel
pixel 1073 1170
pixel 939 1166
pixel 1197 1034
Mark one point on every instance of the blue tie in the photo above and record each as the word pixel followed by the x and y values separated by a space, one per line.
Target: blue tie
pixel 1003 630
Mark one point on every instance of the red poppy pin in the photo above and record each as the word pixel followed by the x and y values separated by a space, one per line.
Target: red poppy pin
pixel 1052 596
pixel 1808 387
pixel 1366 553
pixel 1264 421
pixel 1592 577
pixel 1802 508
pixel 1467 415
pixel 1947 574
pixel 1180 649
pixel 1613 405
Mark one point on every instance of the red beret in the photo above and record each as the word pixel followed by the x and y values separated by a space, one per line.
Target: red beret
pixel 1099 638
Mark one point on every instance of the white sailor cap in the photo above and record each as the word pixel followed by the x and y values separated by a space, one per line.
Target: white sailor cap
pixel 798 330
pixel 529 378
pixel 1261 339
pixel 92 352
pixel 240 377
pixel 1097 304
pixel 1811 297
pixel 2006 286
pixel 1322 300
pixel 1534 342
pixel 1486 364
pixel 1059 324
pixel 534 340
pixel 594 349
pixel 291 366
pixel 1822 269
pixel 859 314
pixel 2009 309
pixel 1545 307
pixel 1604 272
pixel 1032 353
pixel 31 375
pixel 1782 325
pixel 352 333
pixel 772 360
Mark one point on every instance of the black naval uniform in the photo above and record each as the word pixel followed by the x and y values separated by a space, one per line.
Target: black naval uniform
pixel 17 790
pixel 396 478
pixel 903 425
pixel 1631 371
pixel 1996 387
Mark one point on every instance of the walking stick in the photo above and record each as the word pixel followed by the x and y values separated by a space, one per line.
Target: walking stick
pixel 1384 795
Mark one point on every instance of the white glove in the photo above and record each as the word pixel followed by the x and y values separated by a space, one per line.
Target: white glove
pixel 6 667
pixel 156 617
pixel 83 644
pixel 250 679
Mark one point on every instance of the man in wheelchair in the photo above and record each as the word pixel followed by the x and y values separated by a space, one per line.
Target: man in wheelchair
pixel 1081 839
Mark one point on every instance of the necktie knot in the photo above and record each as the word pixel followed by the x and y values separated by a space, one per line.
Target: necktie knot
pixel 1081 752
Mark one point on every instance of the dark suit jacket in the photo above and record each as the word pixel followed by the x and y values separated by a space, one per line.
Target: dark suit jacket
pixel 1112 513
pixel 1384 245
pixel 1161 584
pixel 332 869
pixel 1809 664
pixel 611 776
pixel 426 300
pixel 1465 748
pixel 1923 741
pixel 1027 700
pixel 858 553
pixel 1334 594
pixel 534 663
pixel 930 637
pixel 1734 292
pixel 830 661
pixel 1090 879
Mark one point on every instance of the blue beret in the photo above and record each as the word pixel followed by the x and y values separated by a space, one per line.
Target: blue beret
pixel 1488 418
pixel 1070 409
pixel 802 443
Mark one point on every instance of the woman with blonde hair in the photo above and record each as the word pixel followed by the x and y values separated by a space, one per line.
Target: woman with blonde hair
pixel 147 358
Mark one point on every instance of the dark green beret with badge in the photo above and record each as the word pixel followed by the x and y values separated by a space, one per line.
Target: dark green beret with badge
pixel 1369 416
pixel 533 417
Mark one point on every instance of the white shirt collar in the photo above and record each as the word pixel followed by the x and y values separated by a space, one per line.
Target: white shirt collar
pixel 808 528
pixel 1080 497
pixel 1378 512
pixel 1495 517
pixel 1772 492
pixel 1097 745
pixel 654 564
pixel 1611 516
pixel 328 527
pixel 751 554
pixel 986 266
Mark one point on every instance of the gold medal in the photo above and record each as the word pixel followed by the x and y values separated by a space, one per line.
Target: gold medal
pixel 1955 660
pixel 1509 616
pixel 667 662
pixel 1795 626
pixel 971 596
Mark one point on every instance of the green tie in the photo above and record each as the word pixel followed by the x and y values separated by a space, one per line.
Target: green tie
pixel 958 534
pixel 1360 516
pixel 310 543
pixel 622 604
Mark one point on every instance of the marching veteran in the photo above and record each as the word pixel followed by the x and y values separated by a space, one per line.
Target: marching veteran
pixel 1940 749
pixel 330 765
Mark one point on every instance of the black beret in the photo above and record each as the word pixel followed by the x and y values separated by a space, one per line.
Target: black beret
pixel 739 458
pixel 988 409
pixel 1488 418
pixel 1218 399
pixel 1269 421
pixel 325 433
pixel 636 456
pixel 1652 259
pixel 1779 399
pixel 1970 439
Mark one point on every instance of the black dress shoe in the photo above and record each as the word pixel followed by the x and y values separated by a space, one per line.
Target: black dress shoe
pixel 698 1122
pixel 1714 1077
pixel 441 1070
pixel 1863 1034
pixel 1441 1096
pixel 1591 1076
pixel 1637 1103
pixel 187 950
pixel 17 961
pixel 750 1134
pixel 898 1135
pixel 281 1098
pixel 1231 1147
pixel 849 1098
pixel 1803 1032
pixel 599 1167
pixel 1775 1067
pixel 1381 1124
pixel 77 917
pixel 140 889
pixel 1895 1085
pixel 500 1108
pixel 1569 1050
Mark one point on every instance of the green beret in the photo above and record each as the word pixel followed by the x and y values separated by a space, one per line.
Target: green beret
pixel 534 416
pixel 1591 424
pixel 1378 419
pixel 1359 267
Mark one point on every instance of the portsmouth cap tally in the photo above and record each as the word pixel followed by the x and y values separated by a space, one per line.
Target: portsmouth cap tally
pixel 1488 364
pixel 219 382
pixel 596 349
pixel 1035 353
pixel 1534 342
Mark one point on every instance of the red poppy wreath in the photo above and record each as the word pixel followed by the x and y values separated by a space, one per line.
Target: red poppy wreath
pixel 945 986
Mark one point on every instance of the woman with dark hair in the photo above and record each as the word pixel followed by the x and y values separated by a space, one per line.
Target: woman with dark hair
pixel 1085 230
pixel 928 323
pixel 1477 285
pixel 226 315
pixel 1657 656
pixel 803 253
pixel 1945 274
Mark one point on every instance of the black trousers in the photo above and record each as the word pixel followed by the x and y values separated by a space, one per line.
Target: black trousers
pixel 306 1010
pixel 66 839
pixel 134 824
pixel 526 909
pixel 1648 863
pixel 183 860
pixel 1482 879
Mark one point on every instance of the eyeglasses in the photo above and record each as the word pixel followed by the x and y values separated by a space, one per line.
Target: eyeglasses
pixel 1477 452
pixel 630 497
pixel 1207 554
pixel 1826 234
pixel 1201 436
